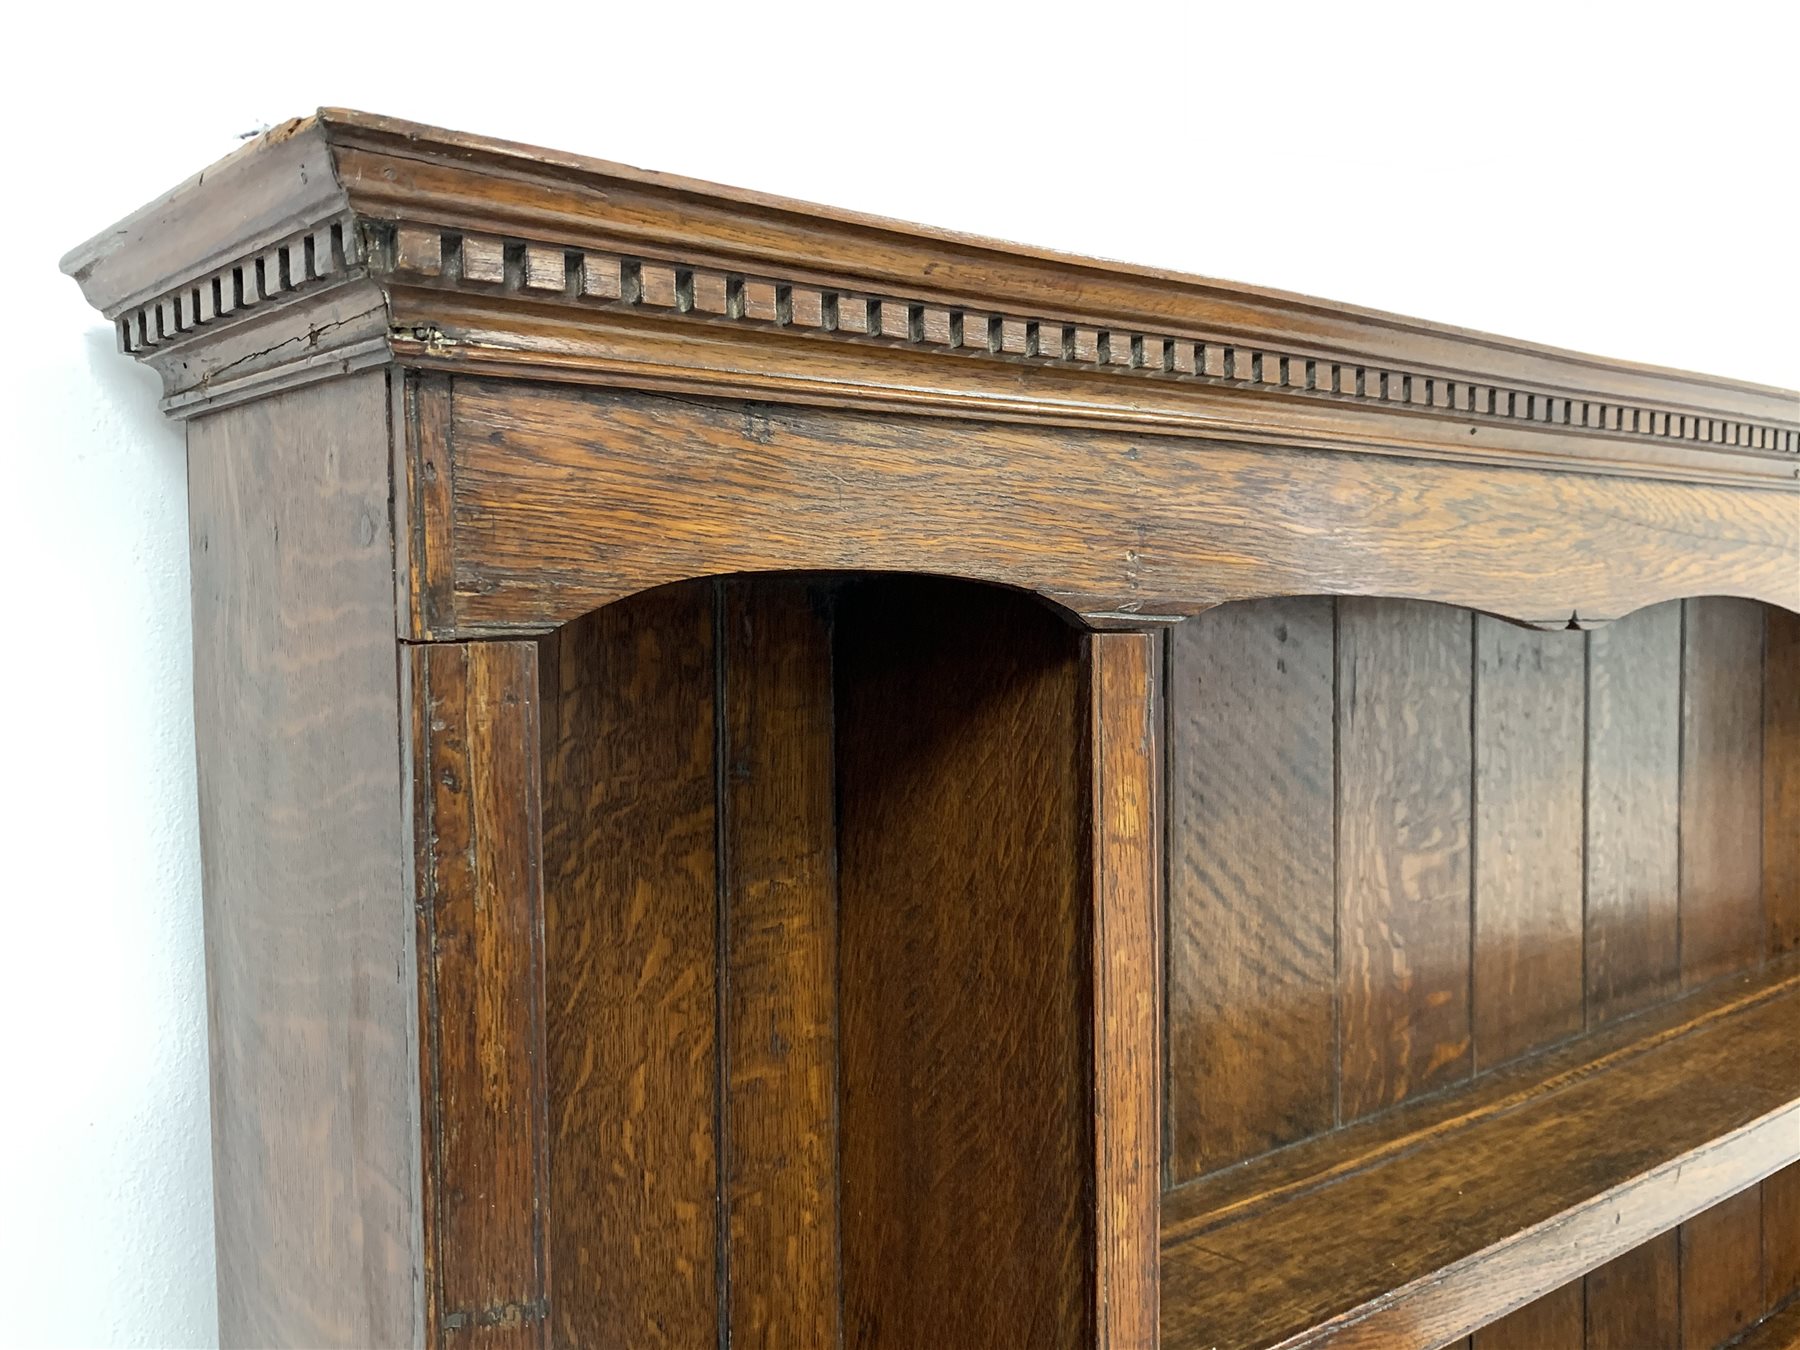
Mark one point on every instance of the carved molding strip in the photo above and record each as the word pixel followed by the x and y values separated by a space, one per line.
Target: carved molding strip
pixel 329 251
pixel 479 263
pixel 552 272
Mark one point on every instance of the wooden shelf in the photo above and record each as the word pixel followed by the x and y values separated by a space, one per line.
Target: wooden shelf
pixel 1416 1228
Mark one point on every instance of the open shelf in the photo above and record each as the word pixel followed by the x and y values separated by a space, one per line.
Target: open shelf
pixel 1417 1227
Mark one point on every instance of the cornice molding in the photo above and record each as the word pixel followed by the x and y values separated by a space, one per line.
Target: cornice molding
pixel 345 240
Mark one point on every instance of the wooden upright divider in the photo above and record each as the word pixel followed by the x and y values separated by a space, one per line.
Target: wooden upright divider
pixel 1124 677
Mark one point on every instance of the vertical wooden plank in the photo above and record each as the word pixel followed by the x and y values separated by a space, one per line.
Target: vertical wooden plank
pixel 1633 812
pixel 1252 905
pixel 310 961
pixel 1127 832
pixel 1529 731
pixel 1403 705
pixel 780 931
pixel 966 953
pixel 481 942
pixel 1721 1270
pixel 1781 1235
pixel 1556 1321
pixel 1722 923
pixel 1634 1301
pixel 631 972
pixel 1781 777
pixel 424 549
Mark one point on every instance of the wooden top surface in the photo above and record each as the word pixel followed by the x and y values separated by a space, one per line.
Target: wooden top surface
pixel 501 254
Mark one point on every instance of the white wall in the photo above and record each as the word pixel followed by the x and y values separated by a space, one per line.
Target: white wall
pixel 1618 179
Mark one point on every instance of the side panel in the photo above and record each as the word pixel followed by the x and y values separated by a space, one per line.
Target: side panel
pixel 309 936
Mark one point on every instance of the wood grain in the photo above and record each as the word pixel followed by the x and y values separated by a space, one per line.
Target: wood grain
pixel 780 966
pixel 1124 672
pixel 1781 1236
pixel 1498 1091
pixel 481 944
pixel 1403 850
pixel 1634 1300
pixel 966 959
pixel 570 498
pixel 311 1001
pixel 1722 922
pixel 1721 1270
pixel 660 1065
pixel 425 554
pixel 887 356
pixel 1781 778
pixel 1466 1215
pixel 1557 1321
pixel 1633 812
pixel 630 875
pixel 1252 903
pixel 1780 1332
pixel 1530 725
